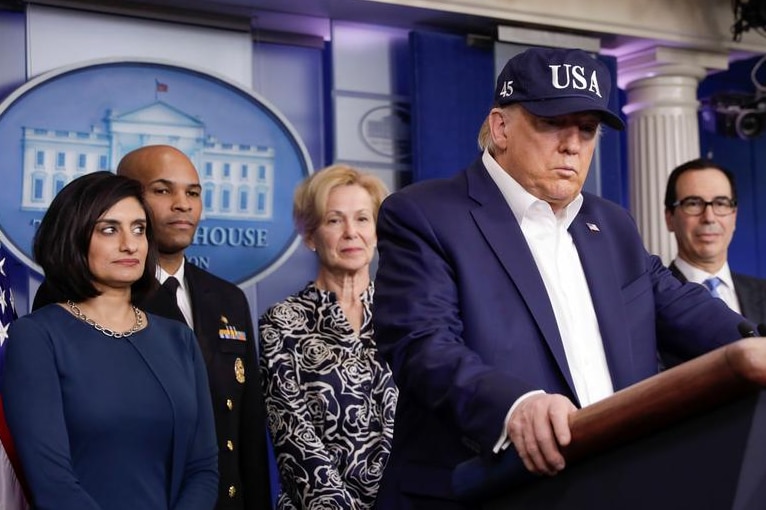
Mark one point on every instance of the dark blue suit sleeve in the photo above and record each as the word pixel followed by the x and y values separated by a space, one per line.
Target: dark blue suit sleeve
pixel 419 328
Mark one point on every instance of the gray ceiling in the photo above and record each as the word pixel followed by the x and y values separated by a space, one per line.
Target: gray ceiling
pixel 298 16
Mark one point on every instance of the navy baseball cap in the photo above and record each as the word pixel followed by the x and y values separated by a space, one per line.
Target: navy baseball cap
pixel 551 81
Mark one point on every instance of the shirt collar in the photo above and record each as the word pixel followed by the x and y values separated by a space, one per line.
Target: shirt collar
pixel 163 275
pixel 520 200
pixel 697 275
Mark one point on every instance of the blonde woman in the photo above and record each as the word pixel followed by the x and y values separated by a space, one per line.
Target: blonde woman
pixel 329 395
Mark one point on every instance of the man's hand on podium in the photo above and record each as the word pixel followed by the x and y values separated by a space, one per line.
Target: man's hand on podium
pixel 538 427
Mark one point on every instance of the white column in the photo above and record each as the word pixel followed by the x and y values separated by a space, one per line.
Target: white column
pixel 663 129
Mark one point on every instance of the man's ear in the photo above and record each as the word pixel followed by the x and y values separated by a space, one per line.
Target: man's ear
pixel 497 128
pixel 669 220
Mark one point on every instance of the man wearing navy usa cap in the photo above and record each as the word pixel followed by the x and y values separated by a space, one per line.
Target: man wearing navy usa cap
pixel 506 297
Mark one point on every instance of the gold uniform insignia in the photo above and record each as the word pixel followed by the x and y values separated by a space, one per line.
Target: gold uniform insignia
pixel 239 370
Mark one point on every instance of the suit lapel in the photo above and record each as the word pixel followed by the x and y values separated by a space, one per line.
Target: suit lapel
pixel 497 224
pixel 743 296
pixel 201 311
pixel 678 274
pixel 591 238
pixel 751 297
pixel 196 291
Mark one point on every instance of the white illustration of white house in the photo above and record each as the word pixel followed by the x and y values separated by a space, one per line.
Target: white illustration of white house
pixel 237 179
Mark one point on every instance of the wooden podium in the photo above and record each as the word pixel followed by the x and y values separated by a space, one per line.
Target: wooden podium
pixel 693 436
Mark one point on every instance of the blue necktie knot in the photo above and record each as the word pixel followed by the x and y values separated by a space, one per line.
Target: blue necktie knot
pixel 712 285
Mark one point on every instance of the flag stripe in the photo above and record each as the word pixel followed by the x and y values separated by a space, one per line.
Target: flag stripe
pixel 12 496
pixel 14 492
pixel 13 488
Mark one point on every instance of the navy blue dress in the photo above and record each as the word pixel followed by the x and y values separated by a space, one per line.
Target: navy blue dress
pixel 110 423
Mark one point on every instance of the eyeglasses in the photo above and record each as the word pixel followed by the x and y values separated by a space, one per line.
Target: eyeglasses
pixel 694 206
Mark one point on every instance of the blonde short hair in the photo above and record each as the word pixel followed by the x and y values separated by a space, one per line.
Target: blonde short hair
pixel 310 197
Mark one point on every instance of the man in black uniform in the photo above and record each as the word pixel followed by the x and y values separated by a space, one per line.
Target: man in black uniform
pixel 218 313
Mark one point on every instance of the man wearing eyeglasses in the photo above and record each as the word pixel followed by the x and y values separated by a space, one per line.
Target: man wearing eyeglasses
pixel 701 210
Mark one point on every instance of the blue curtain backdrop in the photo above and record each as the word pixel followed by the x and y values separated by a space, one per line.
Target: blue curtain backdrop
pixel 614 164
pixel 452 89
pixel 747 160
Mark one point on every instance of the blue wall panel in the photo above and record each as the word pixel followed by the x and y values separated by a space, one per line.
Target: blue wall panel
pixel 452 92
pixel 614 166
pixel 747 160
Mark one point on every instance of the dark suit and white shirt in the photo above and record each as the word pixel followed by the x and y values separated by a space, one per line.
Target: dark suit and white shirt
pixel 469 325
pixel 701 212
pixel 725 290
pixel 183 296
pixel 564 279
pixel 507 279
pixel 562 273
pixel 742 293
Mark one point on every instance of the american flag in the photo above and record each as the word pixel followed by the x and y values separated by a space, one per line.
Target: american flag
pixel 159 86
pixel 12 495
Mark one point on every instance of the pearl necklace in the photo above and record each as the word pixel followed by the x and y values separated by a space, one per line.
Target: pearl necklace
pixel 106 331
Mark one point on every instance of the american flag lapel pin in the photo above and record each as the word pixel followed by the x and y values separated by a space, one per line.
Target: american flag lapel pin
pixel 593 227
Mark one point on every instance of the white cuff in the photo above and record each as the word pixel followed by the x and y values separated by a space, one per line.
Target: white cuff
pixel 504 442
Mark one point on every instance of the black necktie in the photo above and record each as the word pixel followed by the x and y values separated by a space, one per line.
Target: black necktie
pixel 171 286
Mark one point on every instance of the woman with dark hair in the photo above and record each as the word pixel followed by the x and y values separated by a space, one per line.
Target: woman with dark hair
pixel 109 406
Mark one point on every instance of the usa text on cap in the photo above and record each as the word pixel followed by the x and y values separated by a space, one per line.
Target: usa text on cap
pixel 550 81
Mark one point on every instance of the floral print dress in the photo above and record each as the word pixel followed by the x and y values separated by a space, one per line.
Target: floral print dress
pixel 330 399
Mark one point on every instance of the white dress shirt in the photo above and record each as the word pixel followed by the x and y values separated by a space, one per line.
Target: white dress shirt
pixel 725 289
pixel 559 264
pixel 183 296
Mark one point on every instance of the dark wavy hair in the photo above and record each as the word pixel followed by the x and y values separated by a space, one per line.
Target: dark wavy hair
pixel 695 164
pixel 62 240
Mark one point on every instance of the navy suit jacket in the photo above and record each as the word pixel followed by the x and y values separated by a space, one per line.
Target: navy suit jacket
pixel 750 291
pixel 462 315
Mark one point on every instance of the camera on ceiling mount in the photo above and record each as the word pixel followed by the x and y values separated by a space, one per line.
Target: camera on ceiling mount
pixel 735 114
pixel 738 113
pixel 748 14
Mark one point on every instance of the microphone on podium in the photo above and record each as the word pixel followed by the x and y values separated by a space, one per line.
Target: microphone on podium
pixel 747 330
